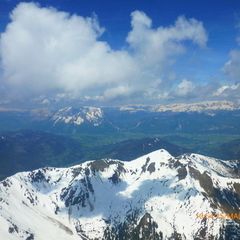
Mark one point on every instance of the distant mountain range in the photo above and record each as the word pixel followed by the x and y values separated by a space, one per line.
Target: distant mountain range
pixel 70 135
pixel 199 107
pixel 69 115
pixel 96 115
pixel 186 107
pixel 132 118
pixel 156 196
pixel 206 117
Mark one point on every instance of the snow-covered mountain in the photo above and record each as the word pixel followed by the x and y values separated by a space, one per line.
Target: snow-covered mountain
pixel 184 107
pixel 153 197
pixel 198 107
pixel 70 115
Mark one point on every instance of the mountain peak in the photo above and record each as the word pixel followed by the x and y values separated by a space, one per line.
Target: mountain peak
pixel 112 199
pixel 158 156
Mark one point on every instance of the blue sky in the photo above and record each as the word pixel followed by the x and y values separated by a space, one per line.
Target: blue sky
pixel 197 73
pixel 220 17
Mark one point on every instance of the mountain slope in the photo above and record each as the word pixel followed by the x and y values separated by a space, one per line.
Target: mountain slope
pixel 155 196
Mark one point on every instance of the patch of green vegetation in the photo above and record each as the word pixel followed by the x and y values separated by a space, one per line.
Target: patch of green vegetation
pixel 214 145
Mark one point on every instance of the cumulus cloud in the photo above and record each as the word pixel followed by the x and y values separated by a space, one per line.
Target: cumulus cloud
pixel 184 88
pixel 231 89
pixel 44 50
pixel 228 91
pixel 116 91
pixel 224 89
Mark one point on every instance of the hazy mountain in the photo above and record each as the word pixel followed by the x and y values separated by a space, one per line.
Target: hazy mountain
pixel 133 148
pixel 156 196
pixel 204 106
pixel 28 150
pixel 198 107
pixel 230 150
pixel 205 117
pixel 69 115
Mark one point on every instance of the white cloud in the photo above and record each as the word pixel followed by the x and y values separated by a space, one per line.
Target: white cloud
pixel 232 67
pixel 153 49
pixel 227 90
pixel 184 88
pixel 220 90
pixel 231 89
pixel 116 92
pixel 44 50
